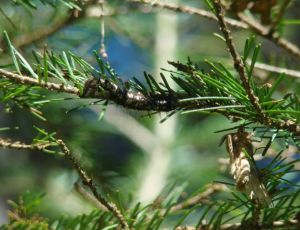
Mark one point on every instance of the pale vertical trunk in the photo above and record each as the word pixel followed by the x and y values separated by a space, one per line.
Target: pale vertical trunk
pixel 154 177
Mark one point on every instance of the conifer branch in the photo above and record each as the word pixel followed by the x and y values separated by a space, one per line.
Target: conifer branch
pixel 238 64
pixel 9 144
pixel 85 178
pixel 21 79
pixel 89 182
pixel 107 90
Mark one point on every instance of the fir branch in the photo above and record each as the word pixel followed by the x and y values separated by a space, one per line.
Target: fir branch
pixel 151 101
pixel 21 79
pixel 93 88
pixel 85 178
pixel 286 124
pixel 238 64
pixel 9 144
pixel 89 182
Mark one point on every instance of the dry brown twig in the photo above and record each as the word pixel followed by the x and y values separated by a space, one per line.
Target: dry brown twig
pixel 190 10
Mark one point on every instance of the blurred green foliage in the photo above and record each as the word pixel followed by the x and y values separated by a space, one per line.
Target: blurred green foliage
pixel 115 162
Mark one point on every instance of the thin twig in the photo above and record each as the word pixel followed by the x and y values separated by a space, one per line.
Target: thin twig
pixel 238 64
pixel 271 35
pixel 6 143
pixel 190 10
pixel 35 82
pixel 85 178
pixel 276 69
pixel 89 182
pixel 206 194
pixel 243 24
pixel 106 90
pixel 240 68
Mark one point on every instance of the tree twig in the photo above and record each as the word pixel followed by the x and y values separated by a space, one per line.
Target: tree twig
pixel 244 23
pixel 276 69
pixel 271 35
pixel 85 178
pixel 106 90
pixel 104 204
pixel 35 82
pixel 89 182
pixel 6 143
pixel 191 10
pixel 238 64
pixel 240 68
